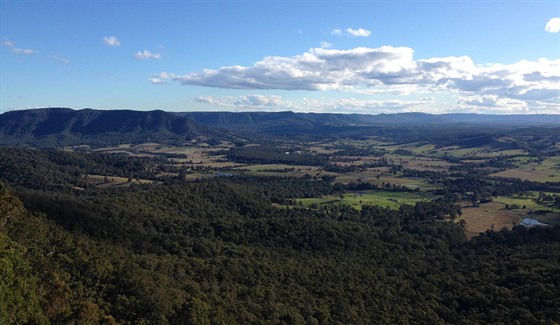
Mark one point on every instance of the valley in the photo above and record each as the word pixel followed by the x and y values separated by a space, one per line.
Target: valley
pixel 143 223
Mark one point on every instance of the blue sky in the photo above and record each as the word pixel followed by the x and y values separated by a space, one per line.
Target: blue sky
pixel 373 57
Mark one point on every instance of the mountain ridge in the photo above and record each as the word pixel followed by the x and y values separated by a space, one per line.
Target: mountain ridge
pixel 64 126
pixel 55 127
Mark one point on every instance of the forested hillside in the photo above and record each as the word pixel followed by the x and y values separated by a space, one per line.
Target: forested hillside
pixel 220 251
pixel 58 127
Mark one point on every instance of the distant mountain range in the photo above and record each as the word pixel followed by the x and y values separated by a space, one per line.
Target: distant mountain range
pixel 53 127
pixel 271 120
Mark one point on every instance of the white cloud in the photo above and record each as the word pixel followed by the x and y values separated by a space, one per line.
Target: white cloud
pixel 144 55
pixel 348 105
pixel 260 101
pixel 553 25
pixel 336 32
pixel 317 69
pixel 111 41
pixel 8 43
pixel 326 45
pixel 161 78
pixel 491 104
pixel 392 71
pixel 18 50
pixel 157 81
pixel 249 102
pixel 205 100
pixel 360 32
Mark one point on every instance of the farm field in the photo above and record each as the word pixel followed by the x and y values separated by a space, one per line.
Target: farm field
pixel 478 152
pixel 356 199
pixel 495 216
pixel 115 181
pixel 546 171
pixel 203 162
pixel 278 169
pixel 489 216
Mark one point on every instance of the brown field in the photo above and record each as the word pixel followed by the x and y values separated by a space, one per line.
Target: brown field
pixel 537 175
pixel 489 216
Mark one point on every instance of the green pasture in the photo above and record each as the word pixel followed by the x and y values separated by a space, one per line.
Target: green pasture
pixel 546 171
pixel 370 176
pixel 528 202
pixel 479 152
pixel 421 149
pixel 113 181
pixel 356 199
pixel 279 170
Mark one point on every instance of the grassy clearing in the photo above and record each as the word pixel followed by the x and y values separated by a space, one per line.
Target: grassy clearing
pixel 422 149
pixel 478 152
pixel 371 176
pixel 280 170
pixel 530 175
pixel 529 203
pixel 489 216
pixel 493 215
pixel 114 181
pixel 546 171
pixel 389 199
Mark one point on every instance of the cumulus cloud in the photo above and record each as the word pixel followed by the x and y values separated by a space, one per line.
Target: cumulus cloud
pixel 317 69
pixel 161 78
pixel 144 55
pixel 157 81
pixel 360 32
pixel 391 70
pixel 553 25
pixel 111 41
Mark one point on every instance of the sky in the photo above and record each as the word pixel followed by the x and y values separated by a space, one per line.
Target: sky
pixel 371 57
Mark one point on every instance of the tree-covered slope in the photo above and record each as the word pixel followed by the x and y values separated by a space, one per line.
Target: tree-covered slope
pixel 219 252
pixel 61 126
pixel 55 127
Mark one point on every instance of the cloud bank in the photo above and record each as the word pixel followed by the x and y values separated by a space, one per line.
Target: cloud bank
pixel 325 105
pixel 392 70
